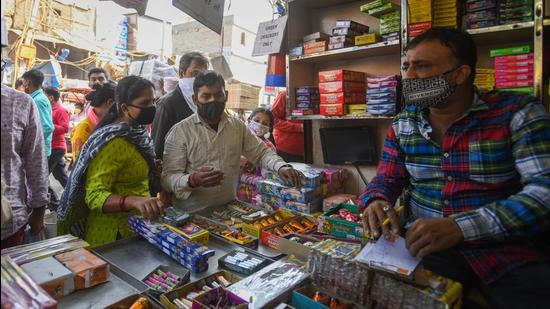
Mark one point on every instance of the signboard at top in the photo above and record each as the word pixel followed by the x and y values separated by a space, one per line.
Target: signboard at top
pixel 206 12
pixel 270 37
pixel 139 5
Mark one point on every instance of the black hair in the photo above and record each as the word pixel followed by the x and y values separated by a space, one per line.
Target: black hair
pixel 460 43
pixel 19 82
pixel 128 89
pixel 95 71
pixel 35 76
pixel 188 58
pixel 261 110
pixel 103 94
pixel 207 78
pixel 52 91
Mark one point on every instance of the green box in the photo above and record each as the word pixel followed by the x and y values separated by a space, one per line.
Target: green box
pixel 339 227
pixel 528 90
pixel 516 50
pixel 371 5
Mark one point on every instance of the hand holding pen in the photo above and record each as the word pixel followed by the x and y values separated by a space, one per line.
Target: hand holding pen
pixel 379 217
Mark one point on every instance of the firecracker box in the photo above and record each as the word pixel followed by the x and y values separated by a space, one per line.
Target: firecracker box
pixel 301 225
pixel 365 39
pixel 352 25
pixel 192 232
pixel 341 75
pixel 88 269
pixel 256 227
pixel 524 49
pixel 342 86
pixel 343 98
pixel 314 37
pixel 340 227
pixel 332 109
pixel 315 47
pixel 52 276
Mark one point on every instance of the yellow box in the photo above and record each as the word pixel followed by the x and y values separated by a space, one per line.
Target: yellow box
pixel 365 39
pixel 256 227
pixel 192 232
pixel 27 52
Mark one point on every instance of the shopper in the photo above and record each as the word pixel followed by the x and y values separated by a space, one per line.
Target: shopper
pixel 19 85
pixel 102 101
pixel 61 120
pixel 97 77
pixel 32 82
pixel 478 168
pixel 178 104
pixel 202 153
pixel 24 166
pixel 116 169
pixel 260 123
pixel 288 134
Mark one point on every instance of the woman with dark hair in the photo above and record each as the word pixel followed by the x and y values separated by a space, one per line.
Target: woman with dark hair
pixel 102 100
pixel 115 175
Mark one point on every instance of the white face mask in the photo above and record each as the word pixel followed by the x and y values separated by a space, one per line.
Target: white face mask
pixel 186 87
pixel 258 129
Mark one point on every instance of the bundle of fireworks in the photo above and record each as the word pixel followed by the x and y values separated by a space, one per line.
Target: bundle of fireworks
pixel 340 87
pixel 301 225
pixel 302 195
pixel 242 263
pixel 337 199
pixel 307 98
pixel 445 14
pixel 275 203
pixel 190 255
pixel 345 32
pixel 485 79
pixel 515 11
pixel 332 269
pixel 42 249
pixel 20 291
pixel 420 11
pixel 230 234
pixel 480 14
pixel 513 68
pixel 270 285
pixel 383 95
pixel 342 221
pixel 255 227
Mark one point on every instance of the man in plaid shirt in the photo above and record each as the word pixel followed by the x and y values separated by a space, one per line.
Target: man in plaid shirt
pixel 478 170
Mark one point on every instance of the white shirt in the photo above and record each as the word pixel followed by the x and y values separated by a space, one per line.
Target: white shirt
pixel 192 144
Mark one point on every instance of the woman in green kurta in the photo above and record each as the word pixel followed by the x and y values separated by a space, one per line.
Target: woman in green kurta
pixel 116 170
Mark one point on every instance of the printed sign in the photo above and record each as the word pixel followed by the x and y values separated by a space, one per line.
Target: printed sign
pixel 270 37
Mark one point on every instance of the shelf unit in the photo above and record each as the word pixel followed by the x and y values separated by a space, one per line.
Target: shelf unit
pixel 308 16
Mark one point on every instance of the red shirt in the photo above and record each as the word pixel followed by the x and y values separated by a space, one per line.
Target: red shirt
pixel 61 120
pixel 288 134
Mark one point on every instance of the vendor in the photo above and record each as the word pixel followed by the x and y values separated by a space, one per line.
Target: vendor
pixel 202 153
pixel 478 168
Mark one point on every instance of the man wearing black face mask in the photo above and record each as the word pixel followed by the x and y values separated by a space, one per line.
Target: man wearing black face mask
pixel 96 78
pixel 202 153
pixel 478 168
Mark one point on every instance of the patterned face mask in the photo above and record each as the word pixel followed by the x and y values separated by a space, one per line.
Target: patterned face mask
pixel 258 129
pixel 427 92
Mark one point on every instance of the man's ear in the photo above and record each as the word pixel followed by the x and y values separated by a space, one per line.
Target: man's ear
pixel 181 73
pixel 463 73
pixel 226 95
pixel 195 99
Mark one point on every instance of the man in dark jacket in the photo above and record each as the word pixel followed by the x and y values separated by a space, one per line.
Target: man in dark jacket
pixel 178 104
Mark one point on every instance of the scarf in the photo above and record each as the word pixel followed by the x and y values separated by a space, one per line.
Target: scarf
pixel 186 87
pixel 73 212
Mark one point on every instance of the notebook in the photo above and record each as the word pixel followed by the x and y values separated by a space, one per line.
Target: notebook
pixel 391 256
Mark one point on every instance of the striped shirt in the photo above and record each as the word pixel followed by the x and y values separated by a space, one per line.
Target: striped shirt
pixel 491 174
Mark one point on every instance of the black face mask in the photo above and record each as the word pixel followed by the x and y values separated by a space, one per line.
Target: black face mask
pixel 211 111
pixel 146 114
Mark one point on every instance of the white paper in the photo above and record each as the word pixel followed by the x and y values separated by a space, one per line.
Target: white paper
pixel 270 36
pixel 388 255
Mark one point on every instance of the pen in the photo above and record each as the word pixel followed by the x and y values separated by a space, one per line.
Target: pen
pixel 398 210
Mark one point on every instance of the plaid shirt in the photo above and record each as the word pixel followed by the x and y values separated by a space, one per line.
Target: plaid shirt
pixel 491 174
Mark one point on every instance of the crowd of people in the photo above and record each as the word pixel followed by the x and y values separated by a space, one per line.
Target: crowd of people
pixel 132 153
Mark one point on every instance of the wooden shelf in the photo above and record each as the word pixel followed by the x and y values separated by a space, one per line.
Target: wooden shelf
pixel 372 50
pixel 346 117
pixel 516 33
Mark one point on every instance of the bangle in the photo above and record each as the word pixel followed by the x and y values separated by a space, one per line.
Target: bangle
pixel 121 203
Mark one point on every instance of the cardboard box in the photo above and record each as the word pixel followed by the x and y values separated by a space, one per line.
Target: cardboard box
pixel 52 276
pixel 343 98
pixel 304 111
pixel 167 299
pixel 313 37
pixel 183 274
pixel 345 31
pixel 298 249
pixel 127 302
pixel 349 39
pixel 333 46
pixel 256 227
pixel 226 232
pixel 513 58
pixel 210 299
pixel 337 199
pixel 420 26
pixel 306 90
pixel 365 39
pixel 242 96
pixel 510 51
pixel 89 270
pixel 352 25
pixel 515 77
pixel 339 227
pixel 231 262
pixel 341 86
pixel 302 194
pixel 384 9
pixel 373 4
pixel 192 232
pixel 514 84
pixel 341 75
pixel 270 238
pixel 315 47
pixel 332 109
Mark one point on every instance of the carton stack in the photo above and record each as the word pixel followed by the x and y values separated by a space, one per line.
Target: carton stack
pixel 420 17
pixel 445 14
pixel 315 43
pixel 382 95
pixel 390 25
pixel 514 11
pixel 378 8
pixel 345 32
pixel 480 14
pixel 307 101
pixel 485 79
pixel 339 89
pixel 390 21
pixel 514 68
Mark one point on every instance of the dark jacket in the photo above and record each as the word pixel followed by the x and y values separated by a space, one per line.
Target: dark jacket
pixel 171 109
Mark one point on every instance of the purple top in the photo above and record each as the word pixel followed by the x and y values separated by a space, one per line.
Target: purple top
pixel 24 163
